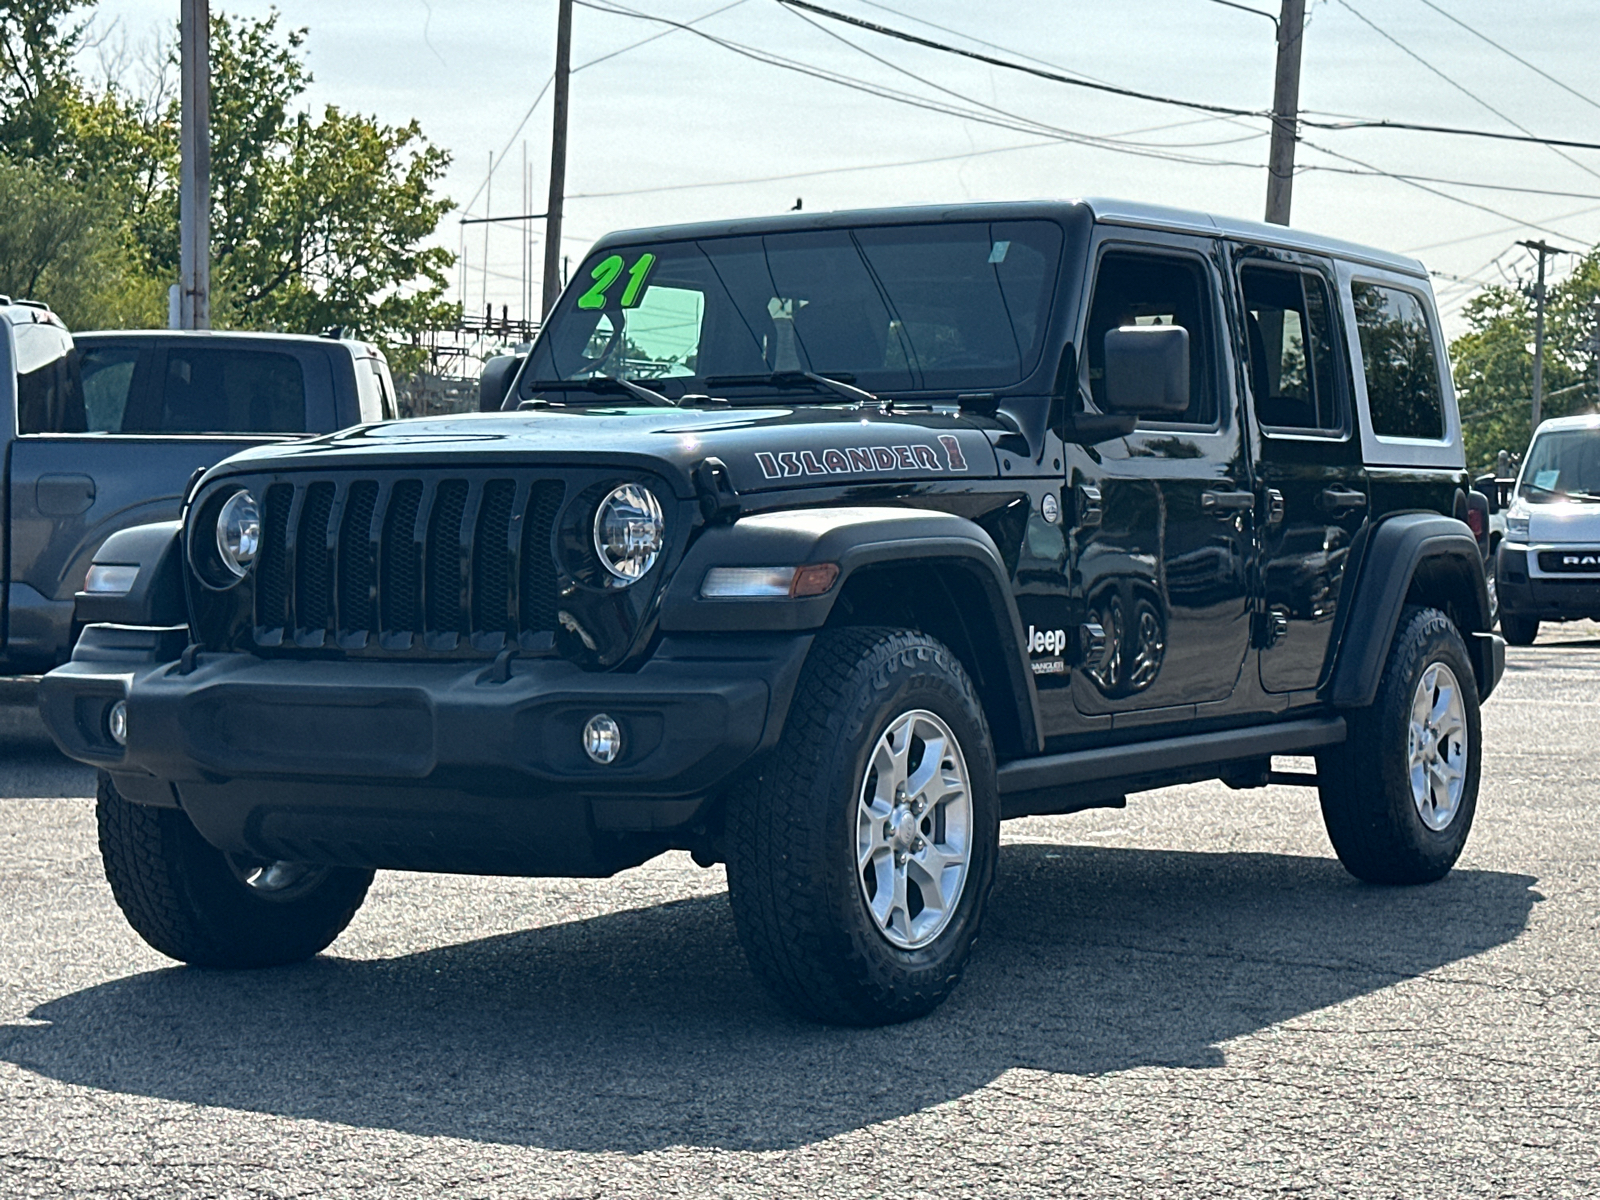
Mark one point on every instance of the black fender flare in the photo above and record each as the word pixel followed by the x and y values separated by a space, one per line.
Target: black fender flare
pixel 156 597
pixel 1399 550
pixel 854 538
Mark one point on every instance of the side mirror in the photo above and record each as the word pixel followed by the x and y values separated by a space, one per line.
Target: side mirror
pixel 495 379
pixel 1489 488
pixel 1147 370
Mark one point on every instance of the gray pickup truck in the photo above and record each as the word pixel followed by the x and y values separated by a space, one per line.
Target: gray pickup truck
pixel 105 430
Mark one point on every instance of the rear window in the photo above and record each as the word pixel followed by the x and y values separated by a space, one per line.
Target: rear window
pixel 211 390
pixel 49 386
pixel 1403 390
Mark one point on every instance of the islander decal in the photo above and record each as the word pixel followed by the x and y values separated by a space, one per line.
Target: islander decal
pixel 854 459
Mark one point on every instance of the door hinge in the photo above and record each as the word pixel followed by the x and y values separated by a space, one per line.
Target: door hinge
pixel 1089 508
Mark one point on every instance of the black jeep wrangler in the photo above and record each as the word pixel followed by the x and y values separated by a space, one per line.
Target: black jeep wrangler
pixel 818 546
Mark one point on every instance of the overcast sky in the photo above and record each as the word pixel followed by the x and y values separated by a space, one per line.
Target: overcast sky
pixel 682 111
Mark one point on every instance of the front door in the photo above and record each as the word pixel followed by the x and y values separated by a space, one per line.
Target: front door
pixel 1308 458
pixel 1161 519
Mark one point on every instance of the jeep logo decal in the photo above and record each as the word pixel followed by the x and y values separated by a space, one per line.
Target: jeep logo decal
pixel 850 460
pixel 1046 641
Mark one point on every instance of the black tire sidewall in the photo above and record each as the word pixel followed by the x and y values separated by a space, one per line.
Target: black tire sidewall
pixel 1385 839
pixel 1518 631
pixel 180 895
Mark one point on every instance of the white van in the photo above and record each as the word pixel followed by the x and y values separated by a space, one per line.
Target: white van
pixel 1549 560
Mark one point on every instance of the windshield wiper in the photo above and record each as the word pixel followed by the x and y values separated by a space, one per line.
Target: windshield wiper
pixel 791 379
pixel 600 383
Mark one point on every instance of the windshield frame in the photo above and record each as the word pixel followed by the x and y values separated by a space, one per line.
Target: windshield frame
pixel 1038 366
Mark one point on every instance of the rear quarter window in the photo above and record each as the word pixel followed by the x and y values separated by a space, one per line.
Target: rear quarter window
pixel 1404 396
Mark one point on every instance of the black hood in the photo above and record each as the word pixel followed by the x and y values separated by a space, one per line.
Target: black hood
pixel 763 448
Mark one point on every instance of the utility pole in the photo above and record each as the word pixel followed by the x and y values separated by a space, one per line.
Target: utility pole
pixel 1594 347
pixel 194 185
pixel 1543 251
pixel 558 161
pixel 1285 111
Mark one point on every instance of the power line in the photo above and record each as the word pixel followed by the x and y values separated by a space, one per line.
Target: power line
pixel 1511 54
pixel 1152 97
pixel 881 166
pixel 1462 88
pixel 527 116
pixel 1581 212
pixel 593 62
pixel 1053 76
pixel 1248 9
pixel 1466 183
pixel 1015 124
pixel 790 175
pixel 467 207
pixel 959 95
pixel 1494 212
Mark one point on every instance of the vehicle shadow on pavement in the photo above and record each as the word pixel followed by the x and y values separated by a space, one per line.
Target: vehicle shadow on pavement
pixel 644 1029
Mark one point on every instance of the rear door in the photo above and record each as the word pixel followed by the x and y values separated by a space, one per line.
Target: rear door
pixel 1308 462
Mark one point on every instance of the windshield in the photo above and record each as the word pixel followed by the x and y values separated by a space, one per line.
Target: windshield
pixel 1562 464
pixel 957 306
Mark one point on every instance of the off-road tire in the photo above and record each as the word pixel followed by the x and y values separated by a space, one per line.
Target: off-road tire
pixel 792 882
pixel 182 897
pixel 1519 631
pixel 1365 786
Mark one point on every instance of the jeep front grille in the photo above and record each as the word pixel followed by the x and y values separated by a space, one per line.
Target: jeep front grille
pixel 402 564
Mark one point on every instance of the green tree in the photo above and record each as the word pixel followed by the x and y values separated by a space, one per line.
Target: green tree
pixel 60 244
pixel 1493 362
pixel 38 39
pixel 319 220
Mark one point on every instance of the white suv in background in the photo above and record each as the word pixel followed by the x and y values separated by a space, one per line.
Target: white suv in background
pixel 1549 560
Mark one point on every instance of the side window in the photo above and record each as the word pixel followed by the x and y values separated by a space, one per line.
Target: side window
pixel 209 390
pixel 49 386
pixel 1403 390
pixel 1292 350
pixel 1152 289
pixel 107 380
pixel 386 405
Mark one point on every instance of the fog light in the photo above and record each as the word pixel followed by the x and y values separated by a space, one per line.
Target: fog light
pixel 117 722
pixel 602 739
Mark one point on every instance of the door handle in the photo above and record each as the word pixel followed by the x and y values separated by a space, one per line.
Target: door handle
pixel 1225 503
pixel 64 495
pixel 1336 500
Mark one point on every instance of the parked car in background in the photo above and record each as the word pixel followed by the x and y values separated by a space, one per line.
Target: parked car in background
pixel 1549 560
pixel 106 430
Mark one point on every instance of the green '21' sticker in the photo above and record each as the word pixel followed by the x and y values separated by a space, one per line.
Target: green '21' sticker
pixel 607 271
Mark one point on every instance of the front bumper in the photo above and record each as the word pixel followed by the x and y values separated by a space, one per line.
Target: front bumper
pixel 1524 592
pixel 424 765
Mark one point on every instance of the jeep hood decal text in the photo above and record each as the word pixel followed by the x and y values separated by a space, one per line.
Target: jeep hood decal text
pixel 915 456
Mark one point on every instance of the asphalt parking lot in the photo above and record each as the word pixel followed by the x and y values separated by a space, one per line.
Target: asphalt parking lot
pixel 1188 997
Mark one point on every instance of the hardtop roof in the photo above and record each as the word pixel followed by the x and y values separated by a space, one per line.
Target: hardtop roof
pixel 1105 211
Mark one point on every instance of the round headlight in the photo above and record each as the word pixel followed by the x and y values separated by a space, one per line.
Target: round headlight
pixel 239 532
pixel 628 531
